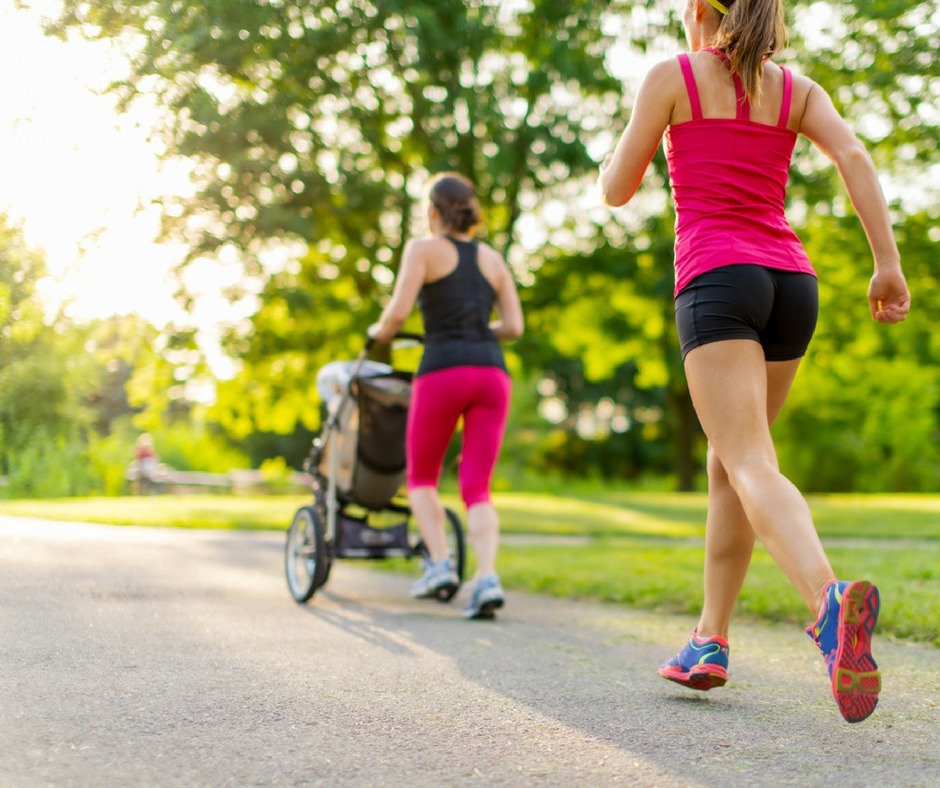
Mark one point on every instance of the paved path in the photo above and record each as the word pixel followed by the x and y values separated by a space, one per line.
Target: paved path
pixel 134 656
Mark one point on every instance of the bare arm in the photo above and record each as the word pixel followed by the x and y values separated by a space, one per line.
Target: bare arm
pixel 623 171
pixel 510 322
pixel 888 296
pixel 407 286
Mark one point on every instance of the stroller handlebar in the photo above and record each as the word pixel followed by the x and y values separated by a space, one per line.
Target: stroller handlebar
pixel 410 335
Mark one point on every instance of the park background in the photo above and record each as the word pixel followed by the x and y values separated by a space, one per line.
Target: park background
pixel 294 139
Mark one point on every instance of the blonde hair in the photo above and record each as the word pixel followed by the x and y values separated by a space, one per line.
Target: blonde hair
pixel 751 32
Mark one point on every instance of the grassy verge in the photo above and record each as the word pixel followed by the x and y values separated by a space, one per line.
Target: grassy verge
pixel 638 549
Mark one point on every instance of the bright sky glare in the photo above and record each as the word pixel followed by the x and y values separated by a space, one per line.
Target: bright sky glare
pixel 79 177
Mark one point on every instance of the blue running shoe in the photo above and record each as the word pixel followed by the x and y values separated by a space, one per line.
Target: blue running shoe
pixel 487 597
pixel 843 634
pixel 701 665
pixel 439 581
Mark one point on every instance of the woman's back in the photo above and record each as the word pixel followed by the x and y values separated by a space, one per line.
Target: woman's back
pixel 457 300
pixel 718 98
pixel 441 256
pixel 728 163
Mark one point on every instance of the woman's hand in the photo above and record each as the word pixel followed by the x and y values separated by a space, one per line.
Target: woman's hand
pixel 888 296
pixel 377 332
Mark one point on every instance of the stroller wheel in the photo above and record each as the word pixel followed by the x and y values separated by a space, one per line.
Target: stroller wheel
pixel 455 541
pixel 306 562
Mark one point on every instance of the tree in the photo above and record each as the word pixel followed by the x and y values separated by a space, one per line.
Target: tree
pixel 312 126
pixel 45 378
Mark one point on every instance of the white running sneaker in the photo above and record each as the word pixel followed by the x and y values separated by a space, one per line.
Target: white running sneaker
pixel 439 581
pixel 487 597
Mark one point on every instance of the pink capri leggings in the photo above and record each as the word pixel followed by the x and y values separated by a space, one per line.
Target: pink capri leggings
pixel 438 400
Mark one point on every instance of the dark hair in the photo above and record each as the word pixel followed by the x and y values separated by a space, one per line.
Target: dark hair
pixel 751 31
pixel 456 201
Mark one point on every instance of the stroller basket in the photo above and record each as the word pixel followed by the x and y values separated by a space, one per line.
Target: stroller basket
pixel 379 470
pixel 358 539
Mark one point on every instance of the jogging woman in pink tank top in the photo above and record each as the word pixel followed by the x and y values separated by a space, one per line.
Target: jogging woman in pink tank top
pixel 458 283
pixel 746 306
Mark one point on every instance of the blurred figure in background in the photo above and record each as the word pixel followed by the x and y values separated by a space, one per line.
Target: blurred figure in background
pixel 458 283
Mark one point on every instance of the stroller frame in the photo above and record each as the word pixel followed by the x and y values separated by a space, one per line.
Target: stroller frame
pixel 339 522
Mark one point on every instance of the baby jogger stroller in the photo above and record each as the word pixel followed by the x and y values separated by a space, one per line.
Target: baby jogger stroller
pixel 358 467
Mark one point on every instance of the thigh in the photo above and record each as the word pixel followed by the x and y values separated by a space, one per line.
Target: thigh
pixel 728 382
pixel 433 414
pixel 484 424
pixel 486 412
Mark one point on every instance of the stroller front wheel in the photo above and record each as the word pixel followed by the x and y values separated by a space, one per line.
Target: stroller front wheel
pixel 306 562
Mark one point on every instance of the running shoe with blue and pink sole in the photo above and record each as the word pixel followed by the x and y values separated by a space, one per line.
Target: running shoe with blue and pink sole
pixel 701 665
pixel 843 634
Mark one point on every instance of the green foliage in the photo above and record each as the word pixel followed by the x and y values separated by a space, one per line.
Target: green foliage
pixel 45 379
pixel 109 455
pixel 46 465
pixel 188 446
pixel 312 126
pixel 864 413
pixel 839 434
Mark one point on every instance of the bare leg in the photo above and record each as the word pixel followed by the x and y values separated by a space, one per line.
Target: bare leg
pixel 729 537
pixel 429 512
pixel 483 528
pixel 733 388
pixel 729 543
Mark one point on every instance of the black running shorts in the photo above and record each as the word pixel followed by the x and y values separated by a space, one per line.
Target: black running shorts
pixel 776 308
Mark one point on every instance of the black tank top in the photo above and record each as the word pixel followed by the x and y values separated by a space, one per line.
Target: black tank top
pixel 456 311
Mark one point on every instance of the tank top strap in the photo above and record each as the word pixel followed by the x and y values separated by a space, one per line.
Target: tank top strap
pixel 743 106
pixel 787 97
pixel 690 86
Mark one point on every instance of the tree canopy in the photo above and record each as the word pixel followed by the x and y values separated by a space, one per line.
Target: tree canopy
pixel 312 126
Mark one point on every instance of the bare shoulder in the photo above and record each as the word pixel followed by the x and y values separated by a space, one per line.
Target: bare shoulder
pixel 665 76
pixel 802 85
pixel 424 246
pixel 667 69
pixel 491 262
pixel 488 256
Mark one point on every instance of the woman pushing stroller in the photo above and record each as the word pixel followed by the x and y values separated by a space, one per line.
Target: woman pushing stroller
pixel 458 282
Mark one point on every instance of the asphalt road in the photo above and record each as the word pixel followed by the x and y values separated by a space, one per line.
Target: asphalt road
pixel 138 656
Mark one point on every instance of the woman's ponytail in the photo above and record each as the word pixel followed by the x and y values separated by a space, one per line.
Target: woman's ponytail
pixel 750 32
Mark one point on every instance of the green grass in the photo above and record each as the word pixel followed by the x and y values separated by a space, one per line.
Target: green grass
pixel 641 549
pixel 255 513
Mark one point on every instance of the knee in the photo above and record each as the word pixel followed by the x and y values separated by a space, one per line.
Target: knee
pixel 474 492
pixel 749 472
pixel 717 475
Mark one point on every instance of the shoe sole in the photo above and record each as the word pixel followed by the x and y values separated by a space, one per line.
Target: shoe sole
pixel 699 677
pixel 442 593
pixel 856 680
pixel 486 610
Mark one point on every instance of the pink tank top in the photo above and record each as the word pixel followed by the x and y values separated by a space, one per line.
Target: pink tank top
pixel 729 180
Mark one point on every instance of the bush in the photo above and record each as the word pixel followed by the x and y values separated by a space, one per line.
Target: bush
pixel 862 427
pixel 49 466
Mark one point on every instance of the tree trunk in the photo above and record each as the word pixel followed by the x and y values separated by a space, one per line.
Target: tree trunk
pixel 686 426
